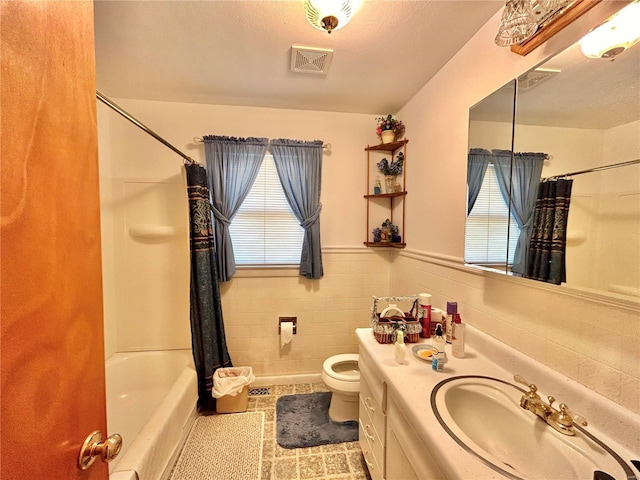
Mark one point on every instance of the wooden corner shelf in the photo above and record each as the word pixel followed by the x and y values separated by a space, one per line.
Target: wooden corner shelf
pixel 387 147
pixel 385 244
pixel 377 211
pixel 386 195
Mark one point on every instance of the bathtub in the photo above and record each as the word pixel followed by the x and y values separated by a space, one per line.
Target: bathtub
pixel 151 402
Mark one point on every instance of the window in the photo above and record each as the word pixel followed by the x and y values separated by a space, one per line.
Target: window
pixel 265 231
pixel 485 241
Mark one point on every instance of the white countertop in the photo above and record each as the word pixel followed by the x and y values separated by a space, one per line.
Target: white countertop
pixel 411 385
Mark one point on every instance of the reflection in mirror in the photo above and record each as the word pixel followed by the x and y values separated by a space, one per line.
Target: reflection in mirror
pixel 488 229
pixel 585 115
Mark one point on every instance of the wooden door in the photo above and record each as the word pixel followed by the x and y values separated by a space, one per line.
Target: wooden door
pixel 52 353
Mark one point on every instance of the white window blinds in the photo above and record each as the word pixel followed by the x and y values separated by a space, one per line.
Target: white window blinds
pixel 487 224
pixel 265 231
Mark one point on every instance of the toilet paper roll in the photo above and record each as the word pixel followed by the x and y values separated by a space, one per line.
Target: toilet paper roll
pixel 286 333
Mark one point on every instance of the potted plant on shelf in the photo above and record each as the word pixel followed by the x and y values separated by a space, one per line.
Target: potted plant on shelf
pixel 391 171
pixel 389 129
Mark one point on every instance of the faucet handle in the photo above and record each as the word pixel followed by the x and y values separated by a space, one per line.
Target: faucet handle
pixel 531 386
pixel 566 414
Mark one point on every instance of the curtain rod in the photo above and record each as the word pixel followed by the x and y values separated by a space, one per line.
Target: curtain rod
pixel 595 169
pixel 107 101
pixel 326 146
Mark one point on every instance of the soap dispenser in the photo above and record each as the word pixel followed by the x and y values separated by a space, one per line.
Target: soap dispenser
pixel 439 341
pixel 400 347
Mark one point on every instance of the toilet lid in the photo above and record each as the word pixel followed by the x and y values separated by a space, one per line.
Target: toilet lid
pixel 343 367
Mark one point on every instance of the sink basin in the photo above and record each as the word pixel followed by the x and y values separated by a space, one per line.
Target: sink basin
pixel 484 416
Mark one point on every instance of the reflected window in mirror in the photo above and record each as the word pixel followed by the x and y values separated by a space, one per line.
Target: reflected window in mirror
pixel 485 242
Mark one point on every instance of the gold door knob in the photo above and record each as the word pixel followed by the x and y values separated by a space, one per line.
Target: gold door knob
pixel 94 447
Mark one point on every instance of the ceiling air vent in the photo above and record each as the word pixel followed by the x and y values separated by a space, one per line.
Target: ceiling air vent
pixel 536 77
pixel 311 60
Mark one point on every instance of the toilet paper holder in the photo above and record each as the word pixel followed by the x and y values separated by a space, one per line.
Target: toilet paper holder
pixel 282 320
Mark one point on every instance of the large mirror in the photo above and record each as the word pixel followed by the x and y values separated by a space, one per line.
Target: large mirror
pixel 571 115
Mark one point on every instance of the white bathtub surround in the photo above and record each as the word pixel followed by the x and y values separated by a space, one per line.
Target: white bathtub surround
pixel 151 402
pixel 410 386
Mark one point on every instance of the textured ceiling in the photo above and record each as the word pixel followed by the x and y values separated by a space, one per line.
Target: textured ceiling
pixel 237 52
pixel 585 93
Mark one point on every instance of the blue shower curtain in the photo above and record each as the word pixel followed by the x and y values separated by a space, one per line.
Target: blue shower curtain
pixel 547 255
pixel 208 340
pixel 299 166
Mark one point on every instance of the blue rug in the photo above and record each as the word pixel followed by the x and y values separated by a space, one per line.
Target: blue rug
pixel 303 421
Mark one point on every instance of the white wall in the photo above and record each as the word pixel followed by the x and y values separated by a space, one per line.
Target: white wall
pixel 591 340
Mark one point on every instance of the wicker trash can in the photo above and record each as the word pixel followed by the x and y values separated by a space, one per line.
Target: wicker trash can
pixel 231 389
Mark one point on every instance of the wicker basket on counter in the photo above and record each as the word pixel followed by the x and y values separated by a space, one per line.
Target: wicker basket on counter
pixel 385 323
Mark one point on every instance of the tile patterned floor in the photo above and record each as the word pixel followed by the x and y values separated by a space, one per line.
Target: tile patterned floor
pixel 342 461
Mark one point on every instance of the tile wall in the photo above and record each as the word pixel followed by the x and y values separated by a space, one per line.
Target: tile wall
pixel 328 312
pixel 592 342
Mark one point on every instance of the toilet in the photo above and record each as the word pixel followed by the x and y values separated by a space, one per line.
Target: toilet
pixel 341 375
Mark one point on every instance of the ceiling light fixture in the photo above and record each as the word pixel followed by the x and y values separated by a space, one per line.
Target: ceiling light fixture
pixel 329 15
pixel 614 36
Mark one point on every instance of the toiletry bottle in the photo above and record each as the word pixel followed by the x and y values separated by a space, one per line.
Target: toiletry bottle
pixel 438 361
pixel 452 309
pixel 400 347
pixel 439 342
pixel 436 319
pixel 457 341
pixel 425 305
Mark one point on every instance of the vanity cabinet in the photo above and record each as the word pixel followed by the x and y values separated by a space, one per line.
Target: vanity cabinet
pixel 407 456
pixel 390 445
pixel 385 205
pixel 372 418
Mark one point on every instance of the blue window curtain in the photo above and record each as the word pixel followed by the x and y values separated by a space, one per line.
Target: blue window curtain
pixel 208 341
pixel 477 164
pixel 232 166
pixel 547 255
pixel 525 178
pixel 299 167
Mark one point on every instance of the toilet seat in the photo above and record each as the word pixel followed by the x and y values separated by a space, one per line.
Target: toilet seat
pixel 341 367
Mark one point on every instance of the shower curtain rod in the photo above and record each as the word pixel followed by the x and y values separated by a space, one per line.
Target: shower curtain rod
pixel 107 101
pixel 595 169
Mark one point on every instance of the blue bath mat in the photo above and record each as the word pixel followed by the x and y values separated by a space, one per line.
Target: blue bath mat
pixel 303 421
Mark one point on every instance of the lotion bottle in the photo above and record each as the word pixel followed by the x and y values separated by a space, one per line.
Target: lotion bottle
pixel 400 347
pixel 457 340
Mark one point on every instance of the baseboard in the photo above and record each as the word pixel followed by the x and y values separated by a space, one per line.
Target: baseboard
pixel 268 381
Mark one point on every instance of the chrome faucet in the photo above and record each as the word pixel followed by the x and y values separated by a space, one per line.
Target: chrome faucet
pixel 562 420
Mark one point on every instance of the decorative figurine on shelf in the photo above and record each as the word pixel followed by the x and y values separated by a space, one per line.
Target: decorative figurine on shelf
pixel 377 188
pixel 376 234
pixel 388 231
